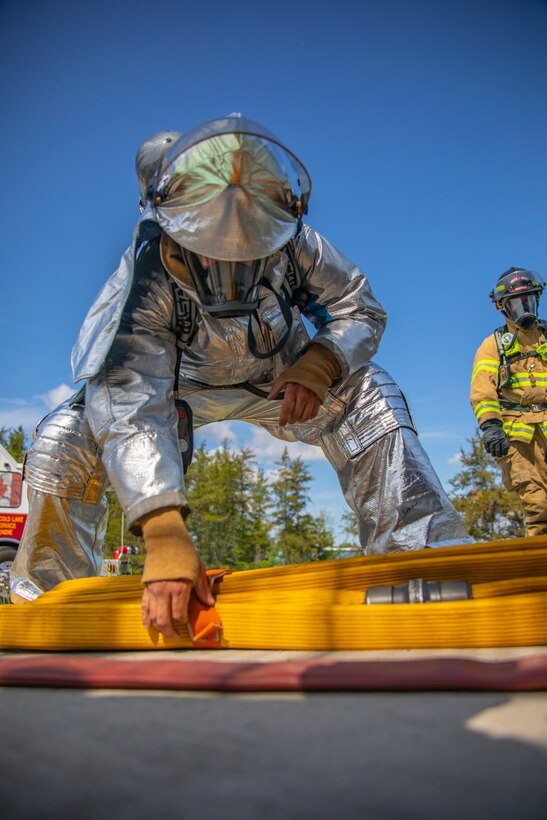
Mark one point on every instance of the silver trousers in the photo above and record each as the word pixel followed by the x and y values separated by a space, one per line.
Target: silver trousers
pixel 363 428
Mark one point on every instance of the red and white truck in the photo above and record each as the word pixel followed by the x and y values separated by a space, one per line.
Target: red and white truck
pixel 13 516
pixel 13 506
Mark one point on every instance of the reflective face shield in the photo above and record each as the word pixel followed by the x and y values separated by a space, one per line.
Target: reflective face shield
pixel 225 288
pixel 521 309
pixel 230 190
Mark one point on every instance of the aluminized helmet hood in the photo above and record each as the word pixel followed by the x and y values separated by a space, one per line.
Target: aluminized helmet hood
pixel 229 189
pixel 149 156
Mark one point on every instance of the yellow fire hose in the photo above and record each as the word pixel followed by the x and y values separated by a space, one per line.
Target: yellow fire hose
pixel 317 606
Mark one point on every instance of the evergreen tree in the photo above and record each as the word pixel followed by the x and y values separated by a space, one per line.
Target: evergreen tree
pixel 351 545
pixel 320 544
pixel 218 488
pixel 489 510
pixel 258 526
pixel 235 511
pixel 14 440
pixel 116 534
pixel 299 536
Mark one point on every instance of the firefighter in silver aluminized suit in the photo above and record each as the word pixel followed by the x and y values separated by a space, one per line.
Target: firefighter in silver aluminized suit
pixel 207 306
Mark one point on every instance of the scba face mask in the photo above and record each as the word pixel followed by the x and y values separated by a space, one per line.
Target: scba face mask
pixel 522 309
pixel 225 288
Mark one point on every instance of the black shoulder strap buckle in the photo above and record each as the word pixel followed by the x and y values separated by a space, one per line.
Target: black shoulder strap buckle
pixel 184 323
pixel 184 315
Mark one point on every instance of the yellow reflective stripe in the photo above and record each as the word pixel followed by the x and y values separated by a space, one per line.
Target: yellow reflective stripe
pixel 486 407
pixel 488 365
pixel 517 429
pixel 523 379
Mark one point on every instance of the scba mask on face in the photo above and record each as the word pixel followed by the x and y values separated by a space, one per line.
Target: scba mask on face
pixel 225 288
pixel 521 309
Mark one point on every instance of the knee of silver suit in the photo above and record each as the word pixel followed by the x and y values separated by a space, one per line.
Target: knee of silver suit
pixel 375 406
pixel 64 459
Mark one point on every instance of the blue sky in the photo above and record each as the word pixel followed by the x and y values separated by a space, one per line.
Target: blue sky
pixel 423 126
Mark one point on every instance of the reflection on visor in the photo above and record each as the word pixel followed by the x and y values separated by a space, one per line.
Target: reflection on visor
pixel 229 189
pixel 200 173
pixel 230 151
pixel 225 288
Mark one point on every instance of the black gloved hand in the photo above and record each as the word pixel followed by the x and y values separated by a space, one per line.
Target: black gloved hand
pixel 495 441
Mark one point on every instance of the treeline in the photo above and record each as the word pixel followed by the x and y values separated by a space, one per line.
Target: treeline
pixel 489 510
pixel 242 518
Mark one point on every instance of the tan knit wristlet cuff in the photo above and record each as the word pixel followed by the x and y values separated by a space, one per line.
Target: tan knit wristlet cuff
pixel 316 370
pixel 170 551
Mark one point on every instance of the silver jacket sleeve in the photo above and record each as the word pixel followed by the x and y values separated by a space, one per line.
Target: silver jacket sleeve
pixel 101 323
pixel 348 319
pixel 130 404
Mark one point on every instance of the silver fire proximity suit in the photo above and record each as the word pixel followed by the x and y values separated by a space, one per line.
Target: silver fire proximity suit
pixel 124 432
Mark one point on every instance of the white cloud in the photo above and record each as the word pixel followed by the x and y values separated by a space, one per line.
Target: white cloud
pixel 57 395
pixel 455 459
pixel 267 448
pixel 12 415
pixel 218 432
pixel 28 412
pixel 270 449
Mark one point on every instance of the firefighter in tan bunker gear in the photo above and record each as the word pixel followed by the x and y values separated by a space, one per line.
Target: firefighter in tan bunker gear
pixel 509 393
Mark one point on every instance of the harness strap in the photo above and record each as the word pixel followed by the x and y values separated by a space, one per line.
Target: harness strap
pixel 287 315
pixel 184 323
pixel 185 309
pixel 504 373
pixel 524 408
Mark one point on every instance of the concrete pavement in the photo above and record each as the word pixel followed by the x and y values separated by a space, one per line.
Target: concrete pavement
pixel 126 755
